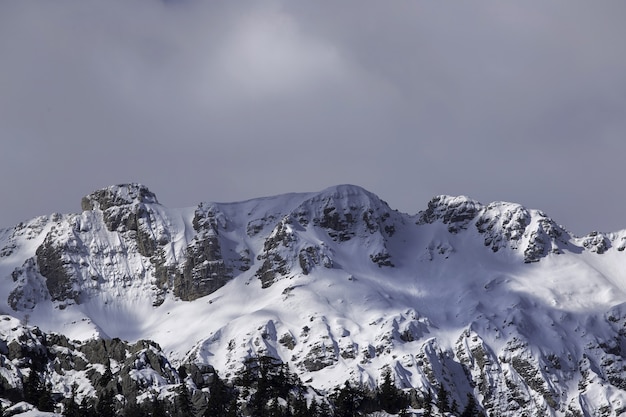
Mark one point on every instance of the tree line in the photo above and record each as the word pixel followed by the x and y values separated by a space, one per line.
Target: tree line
pixel 264 387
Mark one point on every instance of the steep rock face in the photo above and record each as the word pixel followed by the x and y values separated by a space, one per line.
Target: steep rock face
pixel 57 269
pixel 128 209
pixel 204 269
pixel 277 251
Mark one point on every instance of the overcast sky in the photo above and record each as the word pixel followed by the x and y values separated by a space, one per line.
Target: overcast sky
pixel 521 101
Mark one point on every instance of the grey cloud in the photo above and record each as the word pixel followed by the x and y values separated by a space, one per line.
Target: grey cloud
pixel 522 101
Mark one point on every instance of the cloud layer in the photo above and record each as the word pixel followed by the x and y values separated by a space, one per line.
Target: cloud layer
pixel 520 101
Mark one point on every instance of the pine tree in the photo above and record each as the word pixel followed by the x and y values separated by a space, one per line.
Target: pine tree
pixel 105 406
pixel 313 410
pixel 219 398
pixel 233 408
pixel 274 409
pixel 324 410
pixel 132 409
pixel 183 401
pixel 70 407
pixel 32 388
pixel 428 404
pixel 45 402
pixel 87 408
pixel 157 408
pixel 288 408
pixel 107 376
pixel 347 401
pixel 390 398
pixel 471 409
pixel 442 400
pixel 300 408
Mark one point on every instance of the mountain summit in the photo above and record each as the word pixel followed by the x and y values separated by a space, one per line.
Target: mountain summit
pixel 495 303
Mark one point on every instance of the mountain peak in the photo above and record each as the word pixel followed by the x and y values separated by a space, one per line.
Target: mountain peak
pixel 346 196
pixel 118 195
pixel 344 190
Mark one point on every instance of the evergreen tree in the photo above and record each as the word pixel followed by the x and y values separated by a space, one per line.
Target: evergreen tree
pixel 347 401
pixel 324 410
pixel 390 398
pixel 183 401
pixel 105 406
pixel 428 404
pixel 274 409
pixel 132 409
pixel 45 402
pixel 32 388
pixel 300 408
pixel 258 404
pixel 288 412
pixel 107 376
pixel 157 409
pixel 219 398
pixel 267 378
pixel 471 409
pixel 87 408
pixel 70 408
pixel 182 372
pixel 233 408
pixel 442 400
pixel 313 410
pixel 36 393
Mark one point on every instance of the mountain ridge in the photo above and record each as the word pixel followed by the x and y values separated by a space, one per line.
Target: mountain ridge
pixel 494 301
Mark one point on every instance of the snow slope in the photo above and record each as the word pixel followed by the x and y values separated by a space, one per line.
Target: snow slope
pixel 494 300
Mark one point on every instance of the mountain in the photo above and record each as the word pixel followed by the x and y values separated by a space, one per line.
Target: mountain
pixel 494 303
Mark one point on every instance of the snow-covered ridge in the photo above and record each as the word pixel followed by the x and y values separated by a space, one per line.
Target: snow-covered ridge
pixel 495 300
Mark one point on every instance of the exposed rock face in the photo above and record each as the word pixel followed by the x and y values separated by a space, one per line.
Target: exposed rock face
pixel 456 212
pixel 597 242
pixel 56 270
pixel 313 256
pixel 277 249
pixel 204 269
pixel 504 225
pixel 118 195
pixel 349 211
pixel 344 214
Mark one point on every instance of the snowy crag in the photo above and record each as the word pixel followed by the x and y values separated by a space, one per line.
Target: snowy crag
pixel 494 304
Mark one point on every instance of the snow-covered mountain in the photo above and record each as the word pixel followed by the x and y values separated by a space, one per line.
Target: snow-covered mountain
pixel 494 301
